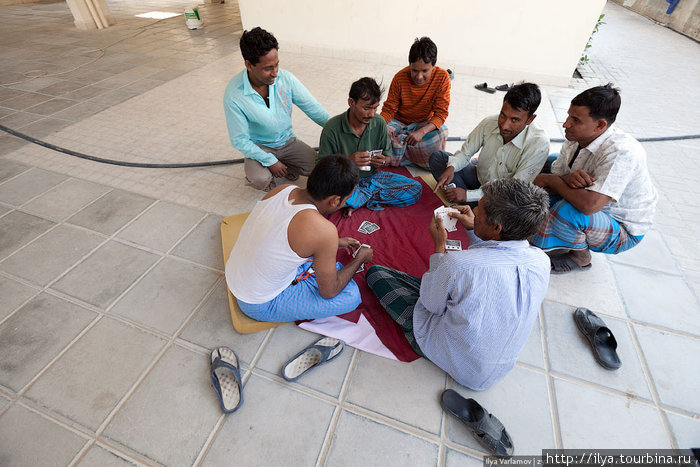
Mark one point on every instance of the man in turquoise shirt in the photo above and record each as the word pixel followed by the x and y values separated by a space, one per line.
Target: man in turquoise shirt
pixel 353 134
pixel 258 107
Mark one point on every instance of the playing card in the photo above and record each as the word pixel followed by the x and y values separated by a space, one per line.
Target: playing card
pixel 368 227
pixel 372 228
pixel 455 245
pixel 448 222
pixel 364 245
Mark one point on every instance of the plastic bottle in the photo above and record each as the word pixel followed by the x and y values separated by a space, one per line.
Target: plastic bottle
pixel 192 19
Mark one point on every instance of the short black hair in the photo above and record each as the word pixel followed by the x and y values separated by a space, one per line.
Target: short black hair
pixel 334 175
pixel 366 88
pixel 603 102
pixel 424 49
pixel 524 96
pixel 256 43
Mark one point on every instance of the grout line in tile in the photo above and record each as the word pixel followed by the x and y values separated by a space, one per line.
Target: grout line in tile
pixel 444 423
pixel 62 352
pixel 393 423
pixel 108 308
pixel 125 451
pixel 679 411
pixel 551 394
pixel 612 391
pixel 627 319
pixel 275 378
pixel 15 176
pixel 344 388
pixel 56 418
pixel 196 308
pixel 186 234
pixel 53 227
pixel 328 438
pixel 209 441
pixel 112 414
pixel 261 348
pixel 37 291
pixel 652 386
pixel 81 453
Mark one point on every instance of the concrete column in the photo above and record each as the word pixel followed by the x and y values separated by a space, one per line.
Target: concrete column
pixel 90 14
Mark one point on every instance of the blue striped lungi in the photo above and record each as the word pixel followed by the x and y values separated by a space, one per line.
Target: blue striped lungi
pixel 567 227
pixel 304 301
pixel 384 189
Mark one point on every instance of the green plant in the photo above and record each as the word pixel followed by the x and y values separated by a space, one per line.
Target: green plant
pixel 584 57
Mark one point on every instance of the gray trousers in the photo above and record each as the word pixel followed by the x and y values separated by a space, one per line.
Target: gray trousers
pixel 298 156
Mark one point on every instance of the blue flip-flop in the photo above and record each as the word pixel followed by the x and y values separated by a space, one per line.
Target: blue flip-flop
pixel 318 353
pixel 226 377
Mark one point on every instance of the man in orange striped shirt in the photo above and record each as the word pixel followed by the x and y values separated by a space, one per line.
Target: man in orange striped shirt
pixel 417 106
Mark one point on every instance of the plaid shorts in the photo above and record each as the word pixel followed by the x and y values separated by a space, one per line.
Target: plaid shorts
pixel 420 153
pixel 398 293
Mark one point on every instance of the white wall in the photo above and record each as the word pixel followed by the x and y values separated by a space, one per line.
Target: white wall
pixel 540 40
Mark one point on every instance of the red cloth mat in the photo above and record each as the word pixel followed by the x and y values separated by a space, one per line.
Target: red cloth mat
pixel 403 243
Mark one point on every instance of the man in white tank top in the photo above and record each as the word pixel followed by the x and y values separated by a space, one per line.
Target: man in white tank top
pixel 284 236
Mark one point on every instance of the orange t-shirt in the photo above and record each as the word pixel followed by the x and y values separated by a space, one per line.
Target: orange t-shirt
pixel 409 103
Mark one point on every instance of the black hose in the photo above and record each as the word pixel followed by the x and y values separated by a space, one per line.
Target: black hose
pixel 641 140
pixel 114 162
pixel 239 161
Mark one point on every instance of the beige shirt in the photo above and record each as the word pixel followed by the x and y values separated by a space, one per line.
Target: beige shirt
pixel 523 157
pixel 619 164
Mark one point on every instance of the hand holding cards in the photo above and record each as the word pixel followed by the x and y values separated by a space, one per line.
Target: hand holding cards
pixel 450 223
pixel 365 260
pixel 372 155
pixel 364 245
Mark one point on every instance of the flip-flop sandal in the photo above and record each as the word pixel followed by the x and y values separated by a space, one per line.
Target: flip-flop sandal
pixel 502 87
pixel 600 337
pixel 563 264
pixel 226 377
pixel 486 428
pixel 485 87
pixel 292 177
pixel 318 353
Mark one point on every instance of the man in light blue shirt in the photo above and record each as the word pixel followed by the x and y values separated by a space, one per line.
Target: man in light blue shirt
pixel 258 107
pixel 472 312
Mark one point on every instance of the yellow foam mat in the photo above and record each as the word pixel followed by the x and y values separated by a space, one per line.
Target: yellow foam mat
pixel 230 228
pixel 432 183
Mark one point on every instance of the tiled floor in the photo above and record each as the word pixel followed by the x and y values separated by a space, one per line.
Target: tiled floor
pixel 111 281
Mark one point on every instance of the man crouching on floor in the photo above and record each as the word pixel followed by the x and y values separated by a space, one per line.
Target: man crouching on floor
pixel 472 312
pixel 285 234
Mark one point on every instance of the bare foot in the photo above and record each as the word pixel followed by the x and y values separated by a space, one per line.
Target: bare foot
pixel 347 212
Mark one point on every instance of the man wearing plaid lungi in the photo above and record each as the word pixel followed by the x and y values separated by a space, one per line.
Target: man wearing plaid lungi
pixel 604 199
pixel 361 136
pixel 417 106
pixel 472 312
